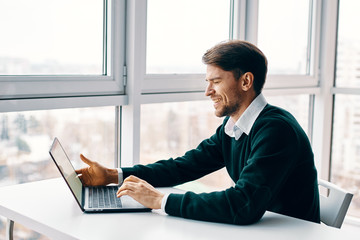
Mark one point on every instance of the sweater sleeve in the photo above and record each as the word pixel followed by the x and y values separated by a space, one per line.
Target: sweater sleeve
pixel 206 158
pixel 265 170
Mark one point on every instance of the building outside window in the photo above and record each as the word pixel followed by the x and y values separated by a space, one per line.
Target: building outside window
pixel 345 155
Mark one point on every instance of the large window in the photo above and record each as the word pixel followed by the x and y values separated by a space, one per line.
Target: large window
pixel 71 45
pixel 57 54
pixel 61 48
pixel 345 157
pixel 289 36
pixel 348 49
pixel 179 32
pixel 26 137
pixel 345 168
pixel 283 35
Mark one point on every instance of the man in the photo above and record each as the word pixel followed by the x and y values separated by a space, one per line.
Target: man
pixel 263 148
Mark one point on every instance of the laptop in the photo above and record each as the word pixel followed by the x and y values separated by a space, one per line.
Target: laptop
pixel 91 199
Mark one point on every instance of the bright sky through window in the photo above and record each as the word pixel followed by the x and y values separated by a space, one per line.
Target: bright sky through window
pixel 55 33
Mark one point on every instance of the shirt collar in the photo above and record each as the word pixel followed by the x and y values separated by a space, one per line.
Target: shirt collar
pixel 247 119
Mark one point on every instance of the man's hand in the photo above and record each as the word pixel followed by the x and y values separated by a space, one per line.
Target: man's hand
pixel 96 174
pixel 141 191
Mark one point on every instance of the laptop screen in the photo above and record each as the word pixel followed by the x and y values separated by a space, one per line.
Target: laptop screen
pixel 67 170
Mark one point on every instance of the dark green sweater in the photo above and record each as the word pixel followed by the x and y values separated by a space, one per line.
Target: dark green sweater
pixel 273 169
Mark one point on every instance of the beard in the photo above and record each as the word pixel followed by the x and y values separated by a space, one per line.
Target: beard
pixel 227 110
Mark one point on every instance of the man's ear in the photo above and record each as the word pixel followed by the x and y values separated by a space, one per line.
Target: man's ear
pixel 247 81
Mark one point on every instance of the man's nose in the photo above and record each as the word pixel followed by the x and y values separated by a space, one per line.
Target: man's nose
pixel 209 90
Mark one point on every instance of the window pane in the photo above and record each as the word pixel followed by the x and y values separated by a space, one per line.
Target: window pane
pixel 179 33
pixel 171 129
pixel 26 138
pixel 283 35
pixel 345 156
pixel 51 37
pixel 297 105
pixel 348 49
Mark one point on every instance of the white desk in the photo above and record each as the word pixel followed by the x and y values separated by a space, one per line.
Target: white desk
pixel 49 208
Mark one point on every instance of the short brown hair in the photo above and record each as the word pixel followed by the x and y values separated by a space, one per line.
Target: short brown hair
pixel 239 57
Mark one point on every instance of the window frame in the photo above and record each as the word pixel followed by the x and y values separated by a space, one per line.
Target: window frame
pixel 17 89
pixel 278 81
pixel 243 24
pixel 174 82
pixel 333 91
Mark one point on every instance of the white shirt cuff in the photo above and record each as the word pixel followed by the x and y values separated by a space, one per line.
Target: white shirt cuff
pixel 120 176
pixel 163 202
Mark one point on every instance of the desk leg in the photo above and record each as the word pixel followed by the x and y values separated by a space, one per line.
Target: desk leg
pixel 9 229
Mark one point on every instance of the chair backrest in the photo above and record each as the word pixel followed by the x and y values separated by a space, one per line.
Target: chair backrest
pixel 333 207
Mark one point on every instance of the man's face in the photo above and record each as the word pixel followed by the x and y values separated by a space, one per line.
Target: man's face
pixel 224 91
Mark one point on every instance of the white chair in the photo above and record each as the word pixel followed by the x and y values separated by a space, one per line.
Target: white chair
pixel 333 207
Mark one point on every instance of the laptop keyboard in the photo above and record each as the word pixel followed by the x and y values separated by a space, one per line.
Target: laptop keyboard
pixel 104 197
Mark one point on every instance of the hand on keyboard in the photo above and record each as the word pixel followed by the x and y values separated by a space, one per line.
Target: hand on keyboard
pixel 141 191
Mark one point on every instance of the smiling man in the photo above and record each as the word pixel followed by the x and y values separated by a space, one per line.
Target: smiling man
pixel 264 149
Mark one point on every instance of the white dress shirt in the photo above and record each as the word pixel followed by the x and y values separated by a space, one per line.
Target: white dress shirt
pixel 247 119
